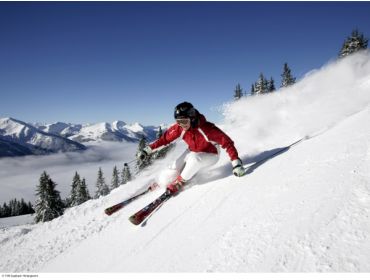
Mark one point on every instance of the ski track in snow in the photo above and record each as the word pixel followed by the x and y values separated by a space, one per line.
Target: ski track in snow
pixel 310 250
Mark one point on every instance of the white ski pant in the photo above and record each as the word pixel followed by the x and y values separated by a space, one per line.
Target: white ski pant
pixel 190 163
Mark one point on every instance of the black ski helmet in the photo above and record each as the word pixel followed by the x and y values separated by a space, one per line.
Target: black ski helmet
pixel 185 110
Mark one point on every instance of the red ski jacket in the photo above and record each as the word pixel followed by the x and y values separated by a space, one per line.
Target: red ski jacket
pixel 203 138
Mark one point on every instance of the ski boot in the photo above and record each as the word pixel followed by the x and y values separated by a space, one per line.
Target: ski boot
pixel 176 186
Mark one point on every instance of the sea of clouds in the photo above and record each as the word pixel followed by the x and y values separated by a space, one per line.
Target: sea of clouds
pixel 20 175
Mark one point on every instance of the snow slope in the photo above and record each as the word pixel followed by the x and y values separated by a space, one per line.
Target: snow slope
pixel 305 209
pixel 16 220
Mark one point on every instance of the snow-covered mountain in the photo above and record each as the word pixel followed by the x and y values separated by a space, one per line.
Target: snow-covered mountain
pixel 117 131
pixel 303 208
pixel 11 149
pixel 20 138
pixel 60 128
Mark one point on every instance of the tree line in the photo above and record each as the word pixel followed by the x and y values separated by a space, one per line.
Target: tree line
pixel 353 43
pixel 15 208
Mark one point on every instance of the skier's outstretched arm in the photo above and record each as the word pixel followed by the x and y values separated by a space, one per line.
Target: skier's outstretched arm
pixel 169 136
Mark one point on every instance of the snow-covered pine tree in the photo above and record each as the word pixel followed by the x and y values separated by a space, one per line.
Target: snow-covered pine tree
pixel 76 182
pixel 260 86
pixel 41 201
pixel 287 77
pixel 48 203
pixel 238 92
pixel 79 191
pixel 115 178
pixel 353 43
pixel 82 193
pixel 102 188
pixel 271 85
pixel 126 174
pixel 265 86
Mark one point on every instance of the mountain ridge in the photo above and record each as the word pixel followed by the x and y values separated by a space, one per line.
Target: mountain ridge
pixel 37 141
pixel 20 138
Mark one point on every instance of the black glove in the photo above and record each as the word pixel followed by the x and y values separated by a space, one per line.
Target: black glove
pixel 142 155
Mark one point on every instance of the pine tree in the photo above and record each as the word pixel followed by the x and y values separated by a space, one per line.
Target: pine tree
pixel 6 210
pixel 265 86
pixel 13 207
pixel 79 192
pixel 126 174
pixel 271 85
pixel 353 43
pixel 238 92
pixel 76 182
pixel 115 179
pixel 48 204
pixel 83 193
pixel 30 208
pixel 101 187
pixel 22 207
pixel 287 78
pixel 260 86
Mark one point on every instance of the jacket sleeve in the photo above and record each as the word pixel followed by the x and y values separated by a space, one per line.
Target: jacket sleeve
pixel 170 135
pixel 217 135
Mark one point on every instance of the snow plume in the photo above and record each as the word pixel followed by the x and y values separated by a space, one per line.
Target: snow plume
pixel 320 100
pixel 19 176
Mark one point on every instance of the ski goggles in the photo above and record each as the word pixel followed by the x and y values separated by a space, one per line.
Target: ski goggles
pixel 183 121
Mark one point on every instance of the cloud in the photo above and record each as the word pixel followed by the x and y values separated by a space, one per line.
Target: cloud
pixel 20 175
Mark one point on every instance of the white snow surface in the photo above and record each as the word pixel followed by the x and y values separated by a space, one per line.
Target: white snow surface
pixel 304 210
pixel 16 221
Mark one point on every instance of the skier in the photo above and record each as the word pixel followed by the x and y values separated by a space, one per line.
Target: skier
pixel 203 139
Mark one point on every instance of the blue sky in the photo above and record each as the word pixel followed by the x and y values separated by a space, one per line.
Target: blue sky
pixel 134 61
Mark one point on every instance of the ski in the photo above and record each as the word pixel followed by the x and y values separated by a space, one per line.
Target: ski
pixel 112 209
pixel 142 214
